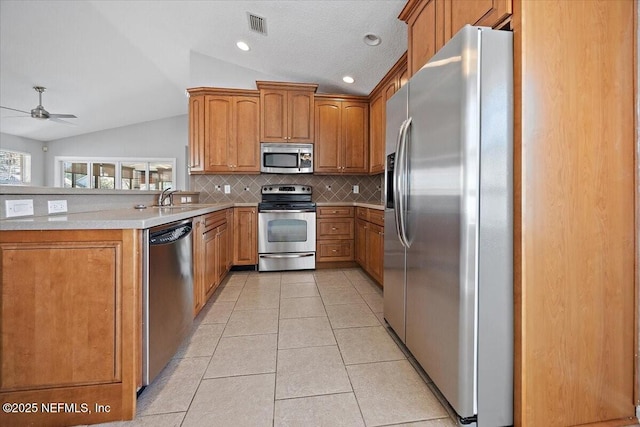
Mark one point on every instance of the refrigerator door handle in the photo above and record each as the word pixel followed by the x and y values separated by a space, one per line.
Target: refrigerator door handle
pixel 396 182
pixel 402 187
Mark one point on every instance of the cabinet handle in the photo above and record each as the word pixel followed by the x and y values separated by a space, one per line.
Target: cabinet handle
pixel 381 233
pixel 333 228
pixel 334 211
pixel 334 250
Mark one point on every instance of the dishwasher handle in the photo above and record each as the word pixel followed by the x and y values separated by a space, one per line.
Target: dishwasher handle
pixel 169 235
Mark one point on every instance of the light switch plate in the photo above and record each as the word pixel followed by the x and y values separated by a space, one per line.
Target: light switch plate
pixel 356 189
pixel 57 206
pixel 18 207
pixel 227 189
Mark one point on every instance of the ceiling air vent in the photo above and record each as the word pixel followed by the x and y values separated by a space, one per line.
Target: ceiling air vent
pixel 257 23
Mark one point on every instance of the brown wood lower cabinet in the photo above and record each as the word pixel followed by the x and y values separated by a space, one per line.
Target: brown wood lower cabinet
pixel 334 234
pixel 245 236
pixel 211 253
pixel 69 309
pixel 370 241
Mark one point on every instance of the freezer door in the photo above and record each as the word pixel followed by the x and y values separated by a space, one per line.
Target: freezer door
pixel 459 321
pixel 394 252
pixel 442 220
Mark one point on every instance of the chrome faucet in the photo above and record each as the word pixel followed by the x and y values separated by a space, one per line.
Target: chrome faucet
pixel 164 195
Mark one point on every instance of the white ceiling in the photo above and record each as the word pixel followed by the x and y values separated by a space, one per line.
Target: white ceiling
pixel 116 63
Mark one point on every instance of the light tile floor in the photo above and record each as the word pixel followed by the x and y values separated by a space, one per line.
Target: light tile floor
pixel 291 349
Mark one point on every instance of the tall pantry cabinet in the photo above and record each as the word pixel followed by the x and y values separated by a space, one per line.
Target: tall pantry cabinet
pixel 575 169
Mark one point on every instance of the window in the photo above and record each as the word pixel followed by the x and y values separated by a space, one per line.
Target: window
pixel 15 167
pixel 111 173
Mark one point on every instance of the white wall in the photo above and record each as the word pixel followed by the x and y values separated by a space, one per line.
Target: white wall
pixel 31 146
pixel 208 71
pixel 159 138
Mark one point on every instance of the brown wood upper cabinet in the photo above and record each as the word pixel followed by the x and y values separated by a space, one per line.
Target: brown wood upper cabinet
pixel 286 111
pixel 394 79
pixel 342 135
pixel 224 131
pixel 431 23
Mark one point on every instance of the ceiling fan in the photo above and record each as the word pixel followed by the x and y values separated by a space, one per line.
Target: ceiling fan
pixel 40 113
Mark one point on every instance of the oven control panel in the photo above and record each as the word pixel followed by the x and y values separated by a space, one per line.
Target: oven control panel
pixel 286 189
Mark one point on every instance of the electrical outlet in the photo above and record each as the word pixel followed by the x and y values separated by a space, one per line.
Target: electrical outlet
pixel 57 206
pixel 218 188
pixel 328 187
pixel 18 207
pixel 356 189
pixel 227 189
pixel 246 188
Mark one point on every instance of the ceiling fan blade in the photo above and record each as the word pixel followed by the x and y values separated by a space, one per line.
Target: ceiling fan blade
pixel 57 120
pixel 62 116
pixel 13 109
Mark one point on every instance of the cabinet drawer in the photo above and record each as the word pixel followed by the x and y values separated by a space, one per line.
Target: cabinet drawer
pixel 215 219
pixel 362 213
pixel 376 217
pixel 335 228
pixel 335 211
pixel 334 250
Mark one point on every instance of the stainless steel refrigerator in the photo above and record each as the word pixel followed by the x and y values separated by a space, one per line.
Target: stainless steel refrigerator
pixel 448 279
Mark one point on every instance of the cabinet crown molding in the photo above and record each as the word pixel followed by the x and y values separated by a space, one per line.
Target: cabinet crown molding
pixel 195 91
pixel 286 85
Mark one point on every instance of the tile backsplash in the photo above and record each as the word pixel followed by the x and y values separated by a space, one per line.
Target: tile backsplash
pixel 246 188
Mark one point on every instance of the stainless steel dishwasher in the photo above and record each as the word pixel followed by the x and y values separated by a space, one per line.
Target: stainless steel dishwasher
pixel 167 295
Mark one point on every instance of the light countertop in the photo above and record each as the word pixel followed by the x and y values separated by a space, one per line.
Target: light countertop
pixel 124 218
pixel 131 218
pixel 357 204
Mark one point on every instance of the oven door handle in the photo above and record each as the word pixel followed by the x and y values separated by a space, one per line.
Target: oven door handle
pixel 287 255
pixel 286 211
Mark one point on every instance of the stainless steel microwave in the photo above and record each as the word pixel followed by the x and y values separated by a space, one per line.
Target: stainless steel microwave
pixel 286 158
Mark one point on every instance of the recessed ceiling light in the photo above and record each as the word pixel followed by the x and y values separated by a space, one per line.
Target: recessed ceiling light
pixel 348 79
pixel 371 39
pixel 243 46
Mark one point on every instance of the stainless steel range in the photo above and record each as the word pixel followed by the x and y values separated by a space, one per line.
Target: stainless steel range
pixel 286 228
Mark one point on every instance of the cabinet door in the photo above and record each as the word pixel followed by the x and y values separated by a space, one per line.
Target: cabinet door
pixel 196 134
pixel 328 137
pixel 487 13
pixel 375 253
pixel 245 144
pixel 210 266
pixel 222 243
pixel 300 116
pixel 230 243
pixel 273 115
pixel 361 243
pixel 355 137
pixel 377 134
pixel 218 133
pixel 245 238
pixel 198 265
pixel 422 35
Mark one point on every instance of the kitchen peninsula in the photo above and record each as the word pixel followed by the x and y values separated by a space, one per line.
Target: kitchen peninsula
pixel 71 312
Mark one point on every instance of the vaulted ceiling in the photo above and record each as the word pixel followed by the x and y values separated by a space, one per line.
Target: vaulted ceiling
pixel 115 63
